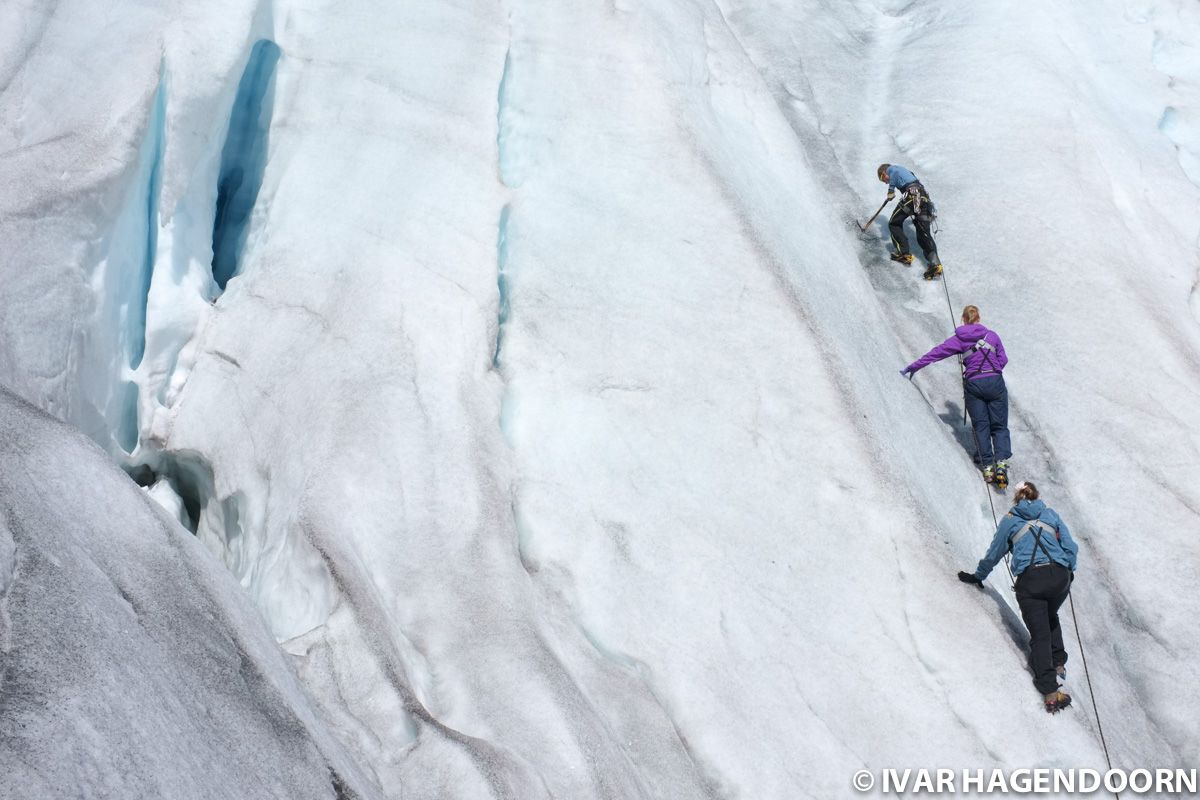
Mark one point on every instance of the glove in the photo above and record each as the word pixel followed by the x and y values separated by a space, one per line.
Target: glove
pixel 891 194
pixel 969 577
pixel 907 372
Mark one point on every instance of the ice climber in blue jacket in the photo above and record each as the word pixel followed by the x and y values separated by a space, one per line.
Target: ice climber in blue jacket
pixel 1043 559
pixel 915 203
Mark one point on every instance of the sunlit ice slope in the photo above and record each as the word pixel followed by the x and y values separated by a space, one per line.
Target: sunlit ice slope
pixel 1060 145
pixel 522 364
pixel 782 148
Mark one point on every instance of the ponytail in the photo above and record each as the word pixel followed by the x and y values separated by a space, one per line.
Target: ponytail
pixel 1026 491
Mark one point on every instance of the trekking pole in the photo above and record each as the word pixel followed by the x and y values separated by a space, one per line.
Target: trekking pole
pixel 867 224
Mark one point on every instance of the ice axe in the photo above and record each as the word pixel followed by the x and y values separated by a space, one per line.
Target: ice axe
pixel 867 224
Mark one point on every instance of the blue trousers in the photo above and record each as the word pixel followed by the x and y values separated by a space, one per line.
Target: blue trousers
pixel 987 403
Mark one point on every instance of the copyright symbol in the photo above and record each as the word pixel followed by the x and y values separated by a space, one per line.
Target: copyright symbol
pixel 863 780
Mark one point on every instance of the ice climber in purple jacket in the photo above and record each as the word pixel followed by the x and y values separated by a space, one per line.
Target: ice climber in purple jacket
pixel 983 390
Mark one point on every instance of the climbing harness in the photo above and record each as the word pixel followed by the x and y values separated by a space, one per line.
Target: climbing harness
pixel 984 347
pixel 1028 527
pixel 1037 527
pixel 914 194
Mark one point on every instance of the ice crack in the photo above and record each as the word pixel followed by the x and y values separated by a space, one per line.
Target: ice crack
pixel 243 160
pixel 504 123
pixel 502 282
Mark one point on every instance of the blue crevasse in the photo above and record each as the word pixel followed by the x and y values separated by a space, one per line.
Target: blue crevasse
pixel 243 160
pixel 502 282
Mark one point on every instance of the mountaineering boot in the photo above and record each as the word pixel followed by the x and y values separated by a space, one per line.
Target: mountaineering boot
pixel 989 473
pixel 903 258
pixel 933 271
pixel 1000 472
pixel 1056 701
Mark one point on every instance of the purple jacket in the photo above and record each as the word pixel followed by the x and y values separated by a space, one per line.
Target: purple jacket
pixel 983 359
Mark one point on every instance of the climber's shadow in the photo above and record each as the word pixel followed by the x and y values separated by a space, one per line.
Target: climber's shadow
pixel 963 434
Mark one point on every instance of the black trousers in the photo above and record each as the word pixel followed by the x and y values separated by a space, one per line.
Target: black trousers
pixel 1040 593
pixel 921 222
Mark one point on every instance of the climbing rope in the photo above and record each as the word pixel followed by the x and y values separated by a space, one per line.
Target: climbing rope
pixel 1008 558
pixel 1087 677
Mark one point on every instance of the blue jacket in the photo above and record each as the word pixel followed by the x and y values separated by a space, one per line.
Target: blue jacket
pixel 899 177
pixel 1061 549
